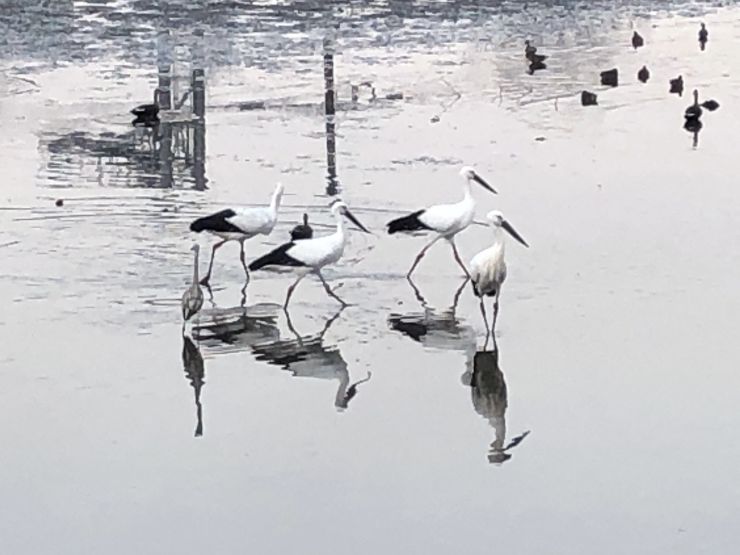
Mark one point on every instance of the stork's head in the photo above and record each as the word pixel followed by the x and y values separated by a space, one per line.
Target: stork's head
pixel 340 208
pixel 470 174
pixel 497 220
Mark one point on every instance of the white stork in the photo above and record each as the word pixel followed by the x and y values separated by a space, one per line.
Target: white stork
pixel 312 255
pixel 239 224
pixel 488 268
pixel 446 220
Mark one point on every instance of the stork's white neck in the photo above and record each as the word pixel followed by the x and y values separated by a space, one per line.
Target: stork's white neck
pixel 275 200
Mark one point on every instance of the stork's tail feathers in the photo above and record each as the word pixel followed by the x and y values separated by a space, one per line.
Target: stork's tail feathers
pixel 407 223
pixel 277 257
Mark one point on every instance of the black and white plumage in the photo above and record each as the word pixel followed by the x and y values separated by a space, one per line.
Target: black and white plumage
pixel 302 231
pixel 488 268
pixel 311 255
pixel 637 40
pixel 446 220
pixel 192 299
pixel 239 224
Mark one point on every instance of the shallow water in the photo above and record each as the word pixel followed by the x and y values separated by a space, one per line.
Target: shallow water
pixel 616 337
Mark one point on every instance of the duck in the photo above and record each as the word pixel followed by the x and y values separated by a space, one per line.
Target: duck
pixel 530 52
pixel 644 74
pixel 693 112
pixel 588 99
pixel 302 231
pixel 703 34
pixel 677 85
pixel 148 111
pixel 637 40
pixel 610 77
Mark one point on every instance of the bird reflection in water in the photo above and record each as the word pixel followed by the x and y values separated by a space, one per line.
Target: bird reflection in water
pixel 489 396
pixel 436 328
pixel 693 126
pixel 308 356
pixel 195 372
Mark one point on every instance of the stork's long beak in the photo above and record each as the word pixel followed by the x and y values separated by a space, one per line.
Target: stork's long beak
pixel 482 182
pixel 354 220
pixel 508 227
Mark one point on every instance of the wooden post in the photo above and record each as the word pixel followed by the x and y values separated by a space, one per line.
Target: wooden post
pixel 330 112
pixel 198 86
pixel 164 67
pixel 199 154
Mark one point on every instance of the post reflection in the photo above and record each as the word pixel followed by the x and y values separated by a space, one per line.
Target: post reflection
pixel 490 400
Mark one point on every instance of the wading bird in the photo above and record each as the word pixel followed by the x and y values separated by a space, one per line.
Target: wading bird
pixel 192 299
pixel 488 268
pixel 302 231
pixel 637 40
pixel 239 224
pixel 312 255
pixel 446 220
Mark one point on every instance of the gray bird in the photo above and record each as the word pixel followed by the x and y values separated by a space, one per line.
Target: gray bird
pixel 192 299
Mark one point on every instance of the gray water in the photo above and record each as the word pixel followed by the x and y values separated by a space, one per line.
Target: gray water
pixel 616 335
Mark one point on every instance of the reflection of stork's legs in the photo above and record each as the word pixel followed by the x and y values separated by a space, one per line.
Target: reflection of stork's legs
pixel 457 257
pixel 291 289
pixel 207 277
pixel 459 291
pixel 328 289
pixel 242 258
pixel 417 292
pixel 421 255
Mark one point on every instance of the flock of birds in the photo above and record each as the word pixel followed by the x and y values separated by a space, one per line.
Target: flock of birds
pixel 610 78
pixel 308 255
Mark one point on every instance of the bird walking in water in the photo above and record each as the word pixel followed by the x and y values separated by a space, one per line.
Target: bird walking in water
pixel 302 231
pixel 488 268
pixel 693 112
pixel 192 299
pixel 239 224
pixel 637 40
pixel 312 255
pixel 446 220
pixel 703 36
pixel 644 74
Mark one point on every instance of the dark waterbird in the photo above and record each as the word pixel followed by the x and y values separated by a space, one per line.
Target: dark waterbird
pixel 637 40
pixel 302 231
pixel 693 112
pixel 148 111
pixel 644 74
pixel 677 85
pixel 710 105
pixel 588 99
pixel 610 77
pixel 703 36
pixel 530 52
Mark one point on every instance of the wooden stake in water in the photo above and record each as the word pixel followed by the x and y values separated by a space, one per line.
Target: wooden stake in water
pixel 198 86
pixel 330 112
